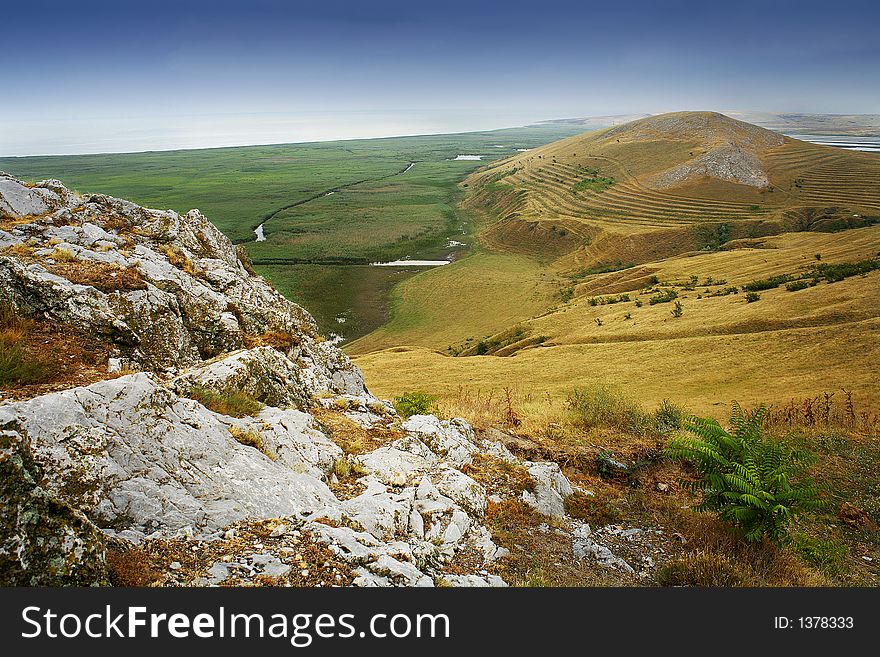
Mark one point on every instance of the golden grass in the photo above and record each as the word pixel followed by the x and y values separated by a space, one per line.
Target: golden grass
pixel 788 344
pixel 475 297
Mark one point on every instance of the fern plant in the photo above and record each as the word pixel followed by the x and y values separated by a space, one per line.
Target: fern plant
pixel 749 480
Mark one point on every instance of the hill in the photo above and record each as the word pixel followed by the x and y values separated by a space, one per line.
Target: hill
pixel 590 242
pixel 668 184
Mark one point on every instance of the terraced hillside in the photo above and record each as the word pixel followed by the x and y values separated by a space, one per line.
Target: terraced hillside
pixel 703 176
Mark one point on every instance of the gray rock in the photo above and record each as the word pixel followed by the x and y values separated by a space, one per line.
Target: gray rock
pixel 140 455
pixel 551 488
pixel 43 541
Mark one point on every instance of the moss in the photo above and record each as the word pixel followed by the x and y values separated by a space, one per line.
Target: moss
pixel 43 541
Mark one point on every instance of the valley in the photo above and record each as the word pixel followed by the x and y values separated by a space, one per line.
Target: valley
pixel 327 209
pixel 602 248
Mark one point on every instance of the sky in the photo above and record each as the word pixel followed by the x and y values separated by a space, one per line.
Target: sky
pixel 83 77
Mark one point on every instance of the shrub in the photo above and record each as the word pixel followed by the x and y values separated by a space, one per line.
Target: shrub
pixel 751 297
pixel 766 283
pixel 678 311
pixel 663 297
pixel 838 272
pixel 229 402
pixel 668 417
pixel 794 286
pixel 605 406
pixel 749 480
pixel 414 403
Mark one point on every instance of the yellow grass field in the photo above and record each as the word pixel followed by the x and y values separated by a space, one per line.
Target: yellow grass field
pixel 787 345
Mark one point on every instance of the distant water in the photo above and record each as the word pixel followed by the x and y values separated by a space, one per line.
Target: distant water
pixel 411 263
pixel 868 144
pixel 469 157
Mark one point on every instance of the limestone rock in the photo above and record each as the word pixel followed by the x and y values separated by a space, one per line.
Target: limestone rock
pixel 128 451
pixel 551 488
pixel 43 541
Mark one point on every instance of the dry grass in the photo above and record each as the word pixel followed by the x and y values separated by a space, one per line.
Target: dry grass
pixel 250 438
pixel 539 556
pixel 500 477
pixel 180 260
pixel 131 566
pixel 789 343
pixel 60 254
pixel 350 436
pixel 21 362
pixel 280 340
pixel 233 403
pixel 19 250
pixel 104 277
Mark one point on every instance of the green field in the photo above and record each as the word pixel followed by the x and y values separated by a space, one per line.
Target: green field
pixel 317 242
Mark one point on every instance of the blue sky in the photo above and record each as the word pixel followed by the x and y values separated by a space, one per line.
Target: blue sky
pixel 117 76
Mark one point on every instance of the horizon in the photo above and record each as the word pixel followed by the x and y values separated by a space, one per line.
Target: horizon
pixel 191 75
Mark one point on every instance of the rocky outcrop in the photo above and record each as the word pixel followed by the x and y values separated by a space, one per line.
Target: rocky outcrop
pixel 167 289
pixel 729 150
pixel 137 459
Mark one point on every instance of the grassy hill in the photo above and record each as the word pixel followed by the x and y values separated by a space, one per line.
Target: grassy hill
pixel 686 256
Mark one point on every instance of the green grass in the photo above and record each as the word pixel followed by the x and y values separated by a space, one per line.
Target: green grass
pixel 596 184
pixel 377 212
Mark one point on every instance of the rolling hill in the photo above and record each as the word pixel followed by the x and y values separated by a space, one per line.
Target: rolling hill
pixel 667 184
pixel 689 256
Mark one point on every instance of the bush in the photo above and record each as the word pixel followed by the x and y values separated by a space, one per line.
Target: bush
pixel 605 406
pixel 794 286
pixel 749 480
pixel 414 403
pixel 837 272
pixel 229 402
pixel 752 297
pixel 678 311
pixel 766 283
pixel 668 417
pixel 663 297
